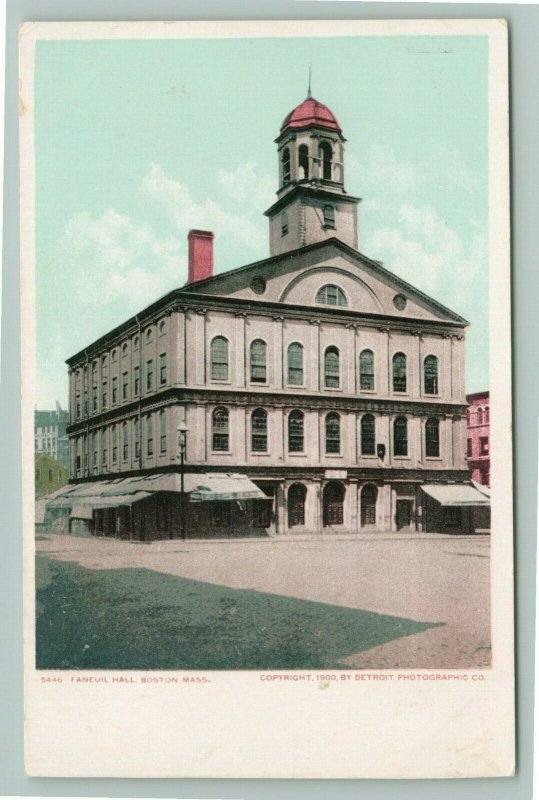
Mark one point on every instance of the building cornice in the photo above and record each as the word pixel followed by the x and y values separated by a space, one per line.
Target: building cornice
pixel 252 399
pixel 289 472
pixel 180 301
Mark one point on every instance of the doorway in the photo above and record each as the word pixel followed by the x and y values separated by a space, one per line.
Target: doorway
pixel 404 514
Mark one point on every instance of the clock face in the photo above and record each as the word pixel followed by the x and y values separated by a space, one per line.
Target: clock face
pixel 258 285
pixel 399 301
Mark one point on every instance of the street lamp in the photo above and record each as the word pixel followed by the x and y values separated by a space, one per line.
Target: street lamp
pixel 182 430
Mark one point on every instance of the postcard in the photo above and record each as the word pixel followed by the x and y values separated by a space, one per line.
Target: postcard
pixel 267 399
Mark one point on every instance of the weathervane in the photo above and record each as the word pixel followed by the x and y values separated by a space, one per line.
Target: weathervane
pixel 309 89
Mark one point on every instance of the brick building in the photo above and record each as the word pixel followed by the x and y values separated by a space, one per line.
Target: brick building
pixel 478 445
pixel 320 392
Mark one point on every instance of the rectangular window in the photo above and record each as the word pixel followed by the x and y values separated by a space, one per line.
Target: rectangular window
pixel 114 445
pixel 50 474
pixel 149 436
pixel 78 463
pixel 136 382
pixel 95 399
pixel 220 514
pixel 114 390
pixel 261 514
pixel 149 375
pixel 78 409
pixel 452 517
pixel 163 431
pixel 104 458
pixel 137 438
pixel 125 385
pixel 483 445
pixel 125 441
pixel 162 368
pixel 470 448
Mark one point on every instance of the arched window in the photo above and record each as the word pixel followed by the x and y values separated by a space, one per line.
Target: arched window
pixel 284 223
pixel 295 364
pixel 331 368
pixel 220 436
pixel 124 348
pixel 149 335
pixel 259 431
pixel 468 416
pixel 487 414
pixel 366 370
pixel 368 439
pixel 333 433
pixel 329 217
pixel 432 438
pixel 219 358
pixel 479 416
pixel 400 436
pixel 135 342
pixel 303 159
pixel 296 504
pixel 430 367
pixel 399 372
pixel 296 431
pixel 325 153
pixel 333 503
pixel 258 352
pixel 286 165
pixel 369 494
pixel 331 295
pixel 162 326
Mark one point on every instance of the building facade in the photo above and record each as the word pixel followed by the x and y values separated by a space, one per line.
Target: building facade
pixel 50 434
pixel 49 475
pixel 478 444
pixel 331 385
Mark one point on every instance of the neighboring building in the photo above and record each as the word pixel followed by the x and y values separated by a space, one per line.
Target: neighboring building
pixel 50 434
pixel 321 392
pixel 478 447
pixel 50 475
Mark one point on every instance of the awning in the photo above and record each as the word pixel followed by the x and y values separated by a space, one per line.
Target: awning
pixel 126 491
pixel 84 506
pixel 456 494
pixel 222 486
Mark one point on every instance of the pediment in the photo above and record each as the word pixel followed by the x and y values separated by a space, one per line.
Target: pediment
pixel 296 278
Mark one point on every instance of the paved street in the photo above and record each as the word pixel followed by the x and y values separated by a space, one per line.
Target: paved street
pixel 375 601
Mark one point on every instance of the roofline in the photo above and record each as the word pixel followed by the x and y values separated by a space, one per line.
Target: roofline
pixel 350 250
pixel 293 128
pixel 308 190
pixel 478 395
pixel 170 298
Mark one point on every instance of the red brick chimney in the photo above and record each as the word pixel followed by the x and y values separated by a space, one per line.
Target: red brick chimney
pixel 200 255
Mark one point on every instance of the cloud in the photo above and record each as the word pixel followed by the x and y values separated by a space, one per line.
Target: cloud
pixel 427 253
pixel 246 184
pixel 175 200
pixel 382 171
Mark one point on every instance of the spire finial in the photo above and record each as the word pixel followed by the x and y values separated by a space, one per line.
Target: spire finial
pixel 309 89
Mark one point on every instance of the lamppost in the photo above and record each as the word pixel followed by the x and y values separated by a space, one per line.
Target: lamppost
pixel 182 441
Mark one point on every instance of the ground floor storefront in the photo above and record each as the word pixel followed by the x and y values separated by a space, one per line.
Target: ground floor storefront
pixel 167 506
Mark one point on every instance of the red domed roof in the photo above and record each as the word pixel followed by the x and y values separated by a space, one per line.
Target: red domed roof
pixel 311 112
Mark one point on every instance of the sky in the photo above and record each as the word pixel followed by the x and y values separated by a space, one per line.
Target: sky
pixel 139 141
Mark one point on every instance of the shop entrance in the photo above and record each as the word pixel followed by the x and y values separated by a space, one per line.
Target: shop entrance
pixel 404 514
